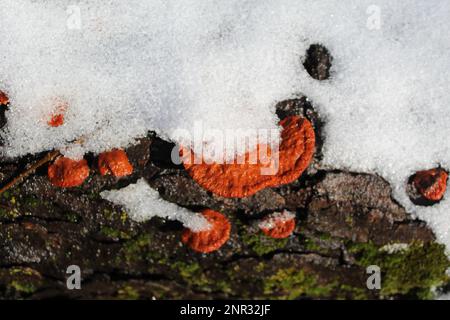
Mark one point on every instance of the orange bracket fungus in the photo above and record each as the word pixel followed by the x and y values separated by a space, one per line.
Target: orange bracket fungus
pixel 66 173
pixel 114 162
pixel 211 239
pixel 57 118
pixel 240 180
pixel 4 100
pixel 279 225
pixel 431 184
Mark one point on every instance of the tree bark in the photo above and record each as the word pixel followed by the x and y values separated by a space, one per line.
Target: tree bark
pixel 345 222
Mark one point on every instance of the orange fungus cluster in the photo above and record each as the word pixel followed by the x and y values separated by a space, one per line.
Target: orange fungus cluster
pixel 211 239
pixel 431 184
pixel 66 173
pixel 114 162
pixel 242 179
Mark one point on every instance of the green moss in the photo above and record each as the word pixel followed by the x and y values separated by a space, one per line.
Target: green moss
pixel 22 287
pixel 349 219
pixel 112 215
pixel 135 249
pixel 365 253
pixel 312 245
pixel 114 233
pixel 23 271
pixel 195 276
pixel 32 202
pixel 143 250
pixel 191 273
pixel 123 217
pixel 187 270
pixel 72 217
pixel 325 236
pixel 10 195
pixel 261 244
pixel 291 284
pixel 108 214
pixel 319 243
pixel 232 272
pixel 23 281
pixel 411 272
pixel 356 293
pixel 14 205
pixel 408 273
pixel 223 286
pixel 260 267
pixel 128 293
pixel 10 214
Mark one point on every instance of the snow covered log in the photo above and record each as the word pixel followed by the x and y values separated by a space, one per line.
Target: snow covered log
pixel 376 71
pixel 346 221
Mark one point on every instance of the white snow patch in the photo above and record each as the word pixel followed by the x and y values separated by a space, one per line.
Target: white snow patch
pixel 442 296
pixel 395 247
pixel 270 222
pixel 161 65
pixel 142 203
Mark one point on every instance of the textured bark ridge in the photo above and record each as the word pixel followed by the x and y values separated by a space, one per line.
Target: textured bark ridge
pixel 346 222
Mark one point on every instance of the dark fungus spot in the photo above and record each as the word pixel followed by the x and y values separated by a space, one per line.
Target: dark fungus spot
pixel 427 187
pixel 4 102
pixel 318 62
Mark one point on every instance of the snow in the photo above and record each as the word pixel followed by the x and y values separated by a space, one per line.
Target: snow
pixel 271 221
pixel 127 67
pixel 445 296
pixel 143 203
pixel 394 247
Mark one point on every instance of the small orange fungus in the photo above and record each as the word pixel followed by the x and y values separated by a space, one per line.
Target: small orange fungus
pixel 212 239
pixel 431 184
pixel 4 100
pixel 114 162
pixel 57 118
pixel 278 226
pixel 66 173
pixel 245 178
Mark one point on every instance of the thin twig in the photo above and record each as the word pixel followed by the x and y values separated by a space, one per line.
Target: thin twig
pixel 30 170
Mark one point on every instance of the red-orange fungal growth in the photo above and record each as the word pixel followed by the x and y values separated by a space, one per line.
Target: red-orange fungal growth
pixel 212 239
pixel 240 180
pixel 431 184
pixel 4 100
pixel 114 162
pixel 278 227
pixel 66 173
pixel 57 118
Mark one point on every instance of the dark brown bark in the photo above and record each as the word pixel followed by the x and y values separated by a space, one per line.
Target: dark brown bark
pixel 344 220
